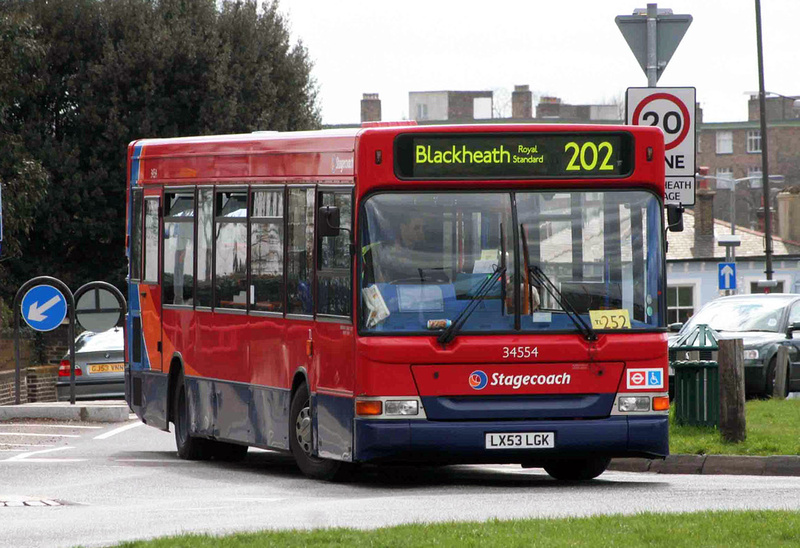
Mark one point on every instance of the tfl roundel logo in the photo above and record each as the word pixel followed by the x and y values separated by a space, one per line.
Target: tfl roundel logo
pixel 478 380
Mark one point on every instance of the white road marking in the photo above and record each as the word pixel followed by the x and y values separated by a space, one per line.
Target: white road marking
pixel 39 435
pixel 26 456
pixel 33 425
pixel 117 431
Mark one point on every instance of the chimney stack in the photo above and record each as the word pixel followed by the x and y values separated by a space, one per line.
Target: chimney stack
pixel 370 108
pixel 522 103
pixel 704 222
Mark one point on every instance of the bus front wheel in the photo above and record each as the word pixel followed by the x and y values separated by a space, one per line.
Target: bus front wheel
pixel 300 441
pixel 577 469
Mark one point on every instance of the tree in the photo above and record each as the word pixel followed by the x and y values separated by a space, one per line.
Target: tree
pixel 118 70
pixel 22 176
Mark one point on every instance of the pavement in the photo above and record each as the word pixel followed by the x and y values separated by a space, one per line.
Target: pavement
pixel 118 411
pixel 85 411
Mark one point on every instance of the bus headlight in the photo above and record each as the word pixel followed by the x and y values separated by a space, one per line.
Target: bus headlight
pixel 401 407
pixel 628 404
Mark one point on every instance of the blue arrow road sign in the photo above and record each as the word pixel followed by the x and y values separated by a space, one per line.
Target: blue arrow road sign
pixel 44 307
pixel 727 275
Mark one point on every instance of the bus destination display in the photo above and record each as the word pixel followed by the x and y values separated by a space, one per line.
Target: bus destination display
pixel 523 155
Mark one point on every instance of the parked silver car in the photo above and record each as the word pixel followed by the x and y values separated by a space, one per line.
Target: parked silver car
pixel 99 367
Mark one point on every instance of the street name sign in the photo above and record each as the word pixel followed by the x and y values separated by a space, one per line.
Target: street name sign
pixel 44 307
pixel 672 110
pixel 727 275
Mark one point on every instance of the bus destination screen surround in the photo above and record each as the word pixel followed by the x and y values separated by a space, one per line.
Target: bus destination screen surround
pixel 512 156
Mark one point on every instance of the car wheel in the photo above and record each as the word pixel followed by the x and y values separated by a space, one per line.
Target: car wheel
pixel 189 447
pixel 300 441
pixel 771 370
pixel 577 469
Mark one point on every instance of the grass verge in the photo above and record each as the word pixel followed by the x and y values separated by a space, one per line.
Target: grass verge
pixel 728 529
pixel 773 428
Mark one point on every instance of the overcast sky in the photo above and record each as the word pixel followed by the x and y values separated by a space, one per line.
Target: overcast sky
pixel 571 49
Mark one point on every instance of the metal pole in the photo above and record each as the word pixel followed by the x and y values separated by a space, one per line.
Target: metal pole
pixel 733 216
pixel 762 103
pixel 652 45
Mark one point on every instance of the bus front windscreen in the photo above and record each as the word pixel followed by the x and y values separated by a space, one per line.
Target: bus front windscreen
pixel 426 257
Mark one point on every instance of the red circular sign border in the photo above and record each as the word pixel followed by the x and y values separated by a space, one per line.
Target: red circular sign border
pixel 668 97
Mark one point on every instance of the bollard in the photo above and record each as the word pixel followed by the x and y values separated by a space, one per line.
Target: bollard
pixel 731 390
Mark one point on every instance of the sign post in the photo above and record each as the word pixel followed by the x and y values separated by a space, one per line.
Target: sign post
pixel 672 110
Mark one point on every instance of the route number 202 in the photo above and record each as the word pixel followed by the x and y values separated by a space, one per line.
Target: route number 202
pixel 520 352
pixel 585 157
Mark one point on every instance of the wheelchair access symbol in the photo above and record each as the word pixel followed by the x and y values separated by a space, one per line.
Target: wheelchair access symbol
pixel 645 378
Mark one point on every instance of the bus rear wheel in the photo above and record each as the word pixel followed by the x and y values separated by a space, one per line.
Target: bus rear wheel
pixel 300 441
pixel 577 469
pixel 189 447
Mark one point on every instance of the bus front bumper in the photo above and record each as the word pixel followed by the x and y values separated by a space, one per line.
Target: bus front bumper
pixel 465 442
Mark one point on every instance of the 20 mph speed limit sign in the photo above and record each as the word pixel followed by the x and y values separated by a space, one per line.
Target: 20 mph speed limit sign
pixel 672 110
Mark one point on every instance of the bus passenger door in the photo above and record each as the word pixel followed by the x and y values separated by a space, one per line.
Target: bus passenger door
pixel 333 338
pixel 154 385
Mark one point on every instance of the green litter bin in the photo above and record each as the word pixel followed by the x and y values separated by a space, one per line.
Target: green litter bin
pixel 696 380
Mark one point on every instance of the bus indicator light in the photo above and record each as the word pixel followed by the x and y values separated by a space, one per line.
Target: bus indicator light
pixel 370 407
pixel 661 403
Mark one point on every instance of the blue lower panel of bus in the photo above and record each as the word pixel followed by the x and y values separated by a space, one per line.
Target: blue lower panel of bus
pixel 465 442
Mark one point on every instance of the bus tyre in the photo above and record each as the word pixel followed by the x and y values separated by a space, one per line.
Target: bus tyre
pixel 189 447
pixel 577 469
pixel 300 442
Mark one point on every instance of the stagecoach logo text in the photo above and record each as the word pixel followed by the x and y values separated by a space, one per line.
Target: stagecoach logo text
pixel 339 164
pixel 478 380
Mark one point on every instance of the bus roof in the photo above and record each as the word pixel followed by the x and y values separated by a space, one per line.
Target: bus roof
pixel 331 154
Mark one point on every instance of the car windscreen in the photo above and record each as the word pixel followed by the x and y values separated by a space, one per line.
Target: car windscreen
pixel 741 315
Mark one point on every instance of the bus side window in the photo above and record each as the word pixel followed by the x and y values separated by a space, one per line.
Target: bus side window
pixel 177 283
pixel 151 240
pixel 266 251
pixel 136 237
pixel 334 262
pixel 300 251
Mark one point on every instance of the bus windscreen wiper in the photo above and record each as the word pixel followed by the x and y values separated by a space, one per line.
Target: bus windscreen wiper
pixel 483 289
pixel 544 281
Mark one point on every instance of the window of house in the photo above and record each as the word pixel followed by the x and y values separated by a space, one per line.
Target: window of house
pixel 266 251
pixel 136 237
pixel 151 240
pixel 231 249
pixel 177 284
pixel 300 251
pixel 754 172
pixel 755 288
pixel 422 111
pixel 724 177
pixel 205 247
pixel 724 142
pixel 680 303
pixel 334 273
pixel 754 140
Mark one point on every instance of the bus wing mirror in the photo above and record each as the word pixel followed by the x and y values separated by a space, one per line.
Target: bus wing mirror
pixel 328 221
pixel 675 218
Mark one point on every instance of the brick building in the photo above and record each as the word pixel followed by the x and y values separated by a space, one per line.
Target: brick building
pixel 732 150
